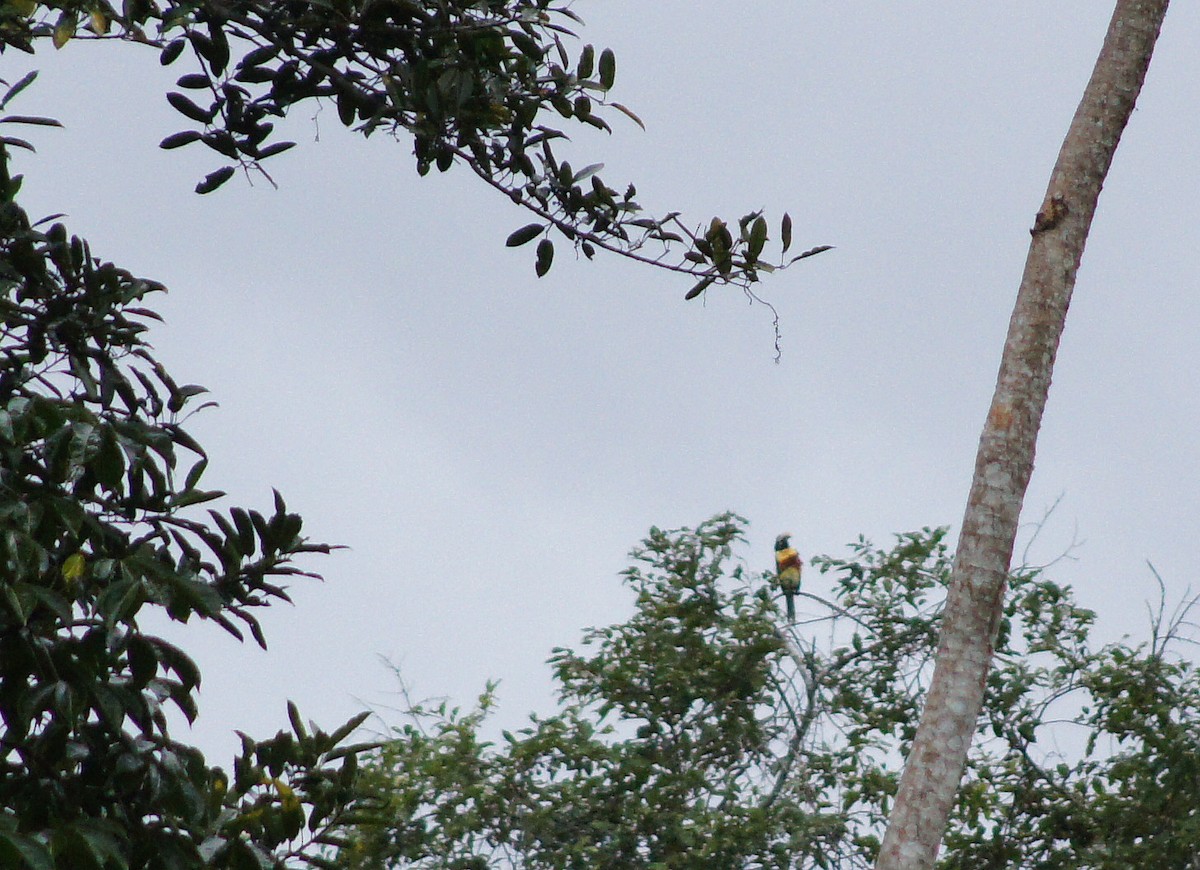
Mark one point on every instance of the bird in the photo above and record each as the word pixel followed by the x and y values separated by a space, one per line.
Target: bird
pixel 787 570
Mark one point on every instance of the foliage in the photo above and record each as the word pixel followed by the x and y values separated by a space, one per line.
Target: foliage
pixel 99 483
pixel 485 83
pixel 101 505
pixel 702 733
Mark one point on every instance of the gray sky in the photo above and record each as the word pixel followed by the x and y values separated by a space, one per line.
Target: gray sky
pixel 490 445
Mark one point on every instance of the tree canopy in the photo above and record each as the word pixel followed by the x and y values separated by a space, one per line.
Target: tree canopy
pixel 704 732
pixel 700 732
pixel 100 484
pixel 484 83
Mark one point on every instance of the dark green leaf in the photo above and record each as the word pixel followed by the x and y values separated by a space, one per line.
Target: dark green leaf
pixel 819 249
pixel 245 530
pixel 758 238
pixel 545 256
pixel 194 81
pixel 346 107
pixel 274 148
pixel 143 660
pixel 51 600
pixel 214 180
pixel 186 107
pixel 525 234
pixel 263 529
pixel 178 140
pixel 259 56
pixel 608 68
pixel 22 83
pixel 190 596
pixel 108 464
pixel 24 853
pixel 180 395
pixel 699 287
pixel 17 602
pixel 297 723
pixel 527 45
pixel 346 729
pixel 171 52
pixel 193 476
pixel 353 749
pixel 587 61
pixel 14 142
pixel 183 667
pixel 196 497
pixel 120 600
pixel 597 122
pixel 30 119
pixel 255 75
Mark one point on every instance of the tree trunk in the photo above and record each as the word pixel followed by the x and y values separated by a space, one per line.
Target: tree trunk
pixel 1006 448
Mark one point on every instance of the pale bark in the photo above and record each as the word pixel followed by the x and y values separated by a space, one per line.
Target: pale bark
pixel 1006 448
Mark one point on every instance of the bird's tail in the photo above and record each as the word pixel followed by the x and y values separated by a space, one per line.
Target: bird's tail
pixel 791 606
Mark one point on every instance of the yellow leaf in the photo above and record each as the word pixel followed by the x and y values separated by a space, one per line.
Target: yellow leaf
pixel 73 567
pixel 63 33
pixel 287 796
pixel 99 22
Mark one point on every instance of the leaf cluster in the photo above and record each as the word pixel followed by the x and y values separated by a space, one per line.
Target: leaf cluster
pixel 100 488
pixel 485 83
pixel 704 732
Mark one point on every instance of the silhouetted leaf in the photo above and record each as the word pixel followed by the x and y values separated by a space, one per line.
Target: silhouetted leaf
pixel 812 251
pixel 171 52
pixel 275 148
pixel 700 287
pixel 193 81
pixel 22 83
pixel 629 113
pixel 525 234
pixel 186 107
pixel 608 68
pixel 178 140
pixel 215 179
pixel 587 60
pixel 545 256
pixel 758 238
pixel 30 119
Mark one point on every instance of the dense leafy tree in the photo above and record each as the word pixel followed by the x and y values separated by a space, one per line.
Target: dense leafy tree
pixel 101 510
pixel 702 732
pixel 99 488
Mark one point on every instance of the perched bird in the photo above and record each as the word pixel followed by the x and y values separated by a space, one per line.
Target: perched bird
pixel 787 569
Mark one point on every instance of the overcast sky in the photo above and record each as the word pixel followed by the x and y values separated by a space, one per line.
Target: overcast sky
pixel 489 445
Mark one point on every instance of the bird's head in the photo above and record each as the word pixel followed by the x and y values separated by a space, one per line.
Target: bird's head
pixel 781 543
